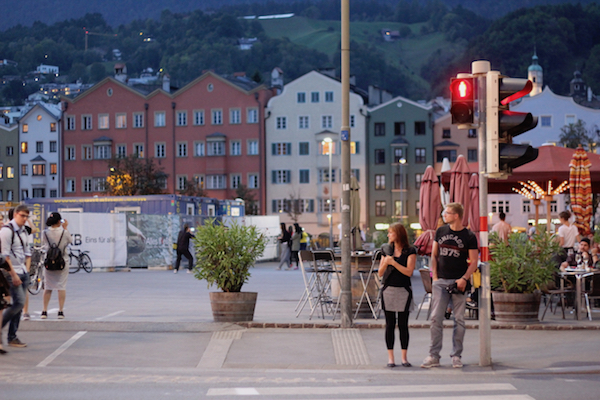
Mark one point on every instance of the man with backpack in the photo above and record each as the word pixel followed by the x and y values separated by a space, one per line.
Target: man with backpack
pixel 15 248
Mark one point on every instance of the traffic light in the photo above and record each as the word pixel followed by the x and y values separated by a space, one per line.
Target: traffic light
pixel 462 89
pixel 502 124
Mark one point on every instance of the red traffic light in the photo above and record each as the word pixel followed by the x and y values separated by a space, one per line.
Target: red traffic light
pixel 463 101
pixel 462 89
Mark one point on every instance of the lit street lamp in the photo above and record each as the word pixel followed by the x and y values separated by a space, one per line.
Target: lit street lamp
pixel 330 201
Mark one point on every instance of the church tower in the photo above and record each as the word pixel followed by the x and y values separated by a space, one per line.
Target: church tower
pixel 535 75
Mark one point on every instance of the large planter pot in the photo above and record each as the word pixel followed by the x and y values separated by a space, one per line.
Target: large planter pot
pixel 233 306
pixel 516 307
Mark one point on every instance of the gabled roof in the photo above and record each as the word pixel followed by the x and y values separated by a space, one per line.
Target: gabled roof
pixel 38 159
pixel 53 112
pixel 402 99
pixel 447 143
pixel 399 141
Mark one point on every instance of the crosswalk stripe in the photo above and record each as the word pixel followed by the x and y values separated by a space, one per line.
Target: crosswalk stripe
pixel 61 349
pixel 487 397
pixel 328 390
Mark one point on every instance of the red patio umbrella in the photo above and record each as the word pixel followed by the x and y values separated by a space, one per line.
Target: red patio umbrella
pixel 429 210
pixel 581 190
pixel 474 209
pixel 459 186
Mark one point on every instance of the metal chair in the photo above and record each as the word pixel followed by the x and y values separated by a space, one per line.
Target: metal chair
pixel 325 269
pixel 593 293
pixel 550 291
pixel 308 268
pixel 427 284
pixel 365 284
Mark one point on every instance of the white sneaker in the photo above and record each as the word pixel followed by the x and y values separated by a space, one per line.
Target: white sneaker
pixel 456 362
pixel 189 271
pixel 430 362
pixel 174 271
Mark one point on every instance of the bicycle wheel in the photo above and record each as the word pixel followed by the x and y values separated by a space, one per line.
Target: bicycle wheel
pixel 85 262
pixel 36 280
pixel 74 264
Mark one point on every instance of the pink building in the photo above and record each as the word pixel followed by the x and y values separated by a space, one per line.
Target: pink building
pixel 211 131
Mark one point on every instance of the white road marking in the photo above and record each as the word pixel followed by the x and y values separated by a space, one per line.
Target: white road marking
pixel 216 352
pixel 61 349
pixel 110 315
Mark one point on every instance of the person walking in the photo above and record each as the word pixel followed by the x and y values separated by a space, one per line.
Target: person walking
pixel 304 240
pixel 296 237
pixel 396 270
pixel 57 234
pixel 284 247
pixel 454 258
pixel 15 248
pixel 502 228
pixel 183 248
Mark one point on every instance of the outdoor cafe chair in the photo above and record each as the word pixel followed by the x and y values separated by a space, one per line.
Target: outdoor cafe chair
pixel 309 294
pixel 371 274
pixel 550 291
pixel 326 268
pixel 427 284
pixel 593 293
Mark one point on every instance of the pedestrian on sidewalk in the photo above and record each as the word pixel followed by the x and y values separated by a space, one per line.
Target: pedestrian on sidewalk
pixel 285 250
pixel 502 228
pixel 568 235
pixel 183 248
pixel 454 258
pixel 296 237
pixel 57 234
pixel 396 270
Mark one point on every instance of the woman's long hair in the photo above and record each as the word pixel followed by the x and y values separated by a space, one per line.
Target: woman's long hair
pixel 401 235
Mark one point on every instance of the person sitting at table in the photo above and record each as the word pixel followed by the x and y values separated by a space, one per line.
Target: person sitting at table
pixel 583 254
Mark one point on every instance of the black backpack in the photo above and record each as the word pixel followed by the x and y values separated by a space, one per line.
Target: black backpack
pixel 54 258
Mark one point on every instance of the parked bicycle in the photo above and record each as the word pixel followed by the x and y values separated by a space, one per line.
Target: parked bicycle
pixel 79 259
pixel 36 270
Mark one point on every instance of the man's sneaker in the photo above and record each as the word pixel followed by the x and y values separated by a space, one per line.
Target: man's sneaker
pixel 174 271
pixel 61 315
pixel 16 343
pixel 26 317
pixel 430 362
pixel 44 315
pixel 456 362
pixel 189 271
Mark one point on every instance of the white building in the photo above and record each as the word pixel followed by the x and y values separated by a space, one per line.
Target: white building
pixel 307 112
pixel 39 133
pixel 47 69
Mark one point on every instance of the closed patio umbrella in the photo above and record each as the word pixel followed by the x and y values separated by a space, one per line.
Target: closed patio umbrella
pixel 459 186
pixel 355 214
pixel 429 210
pixel 581 190
pixel 474 209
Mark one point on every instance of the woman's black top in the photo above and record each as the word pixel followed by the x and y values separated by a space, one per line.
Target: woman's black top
pixel 395 277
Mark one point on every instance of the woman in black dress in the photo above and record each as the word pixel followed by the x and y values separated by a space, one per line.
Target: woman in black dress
pixel 396 268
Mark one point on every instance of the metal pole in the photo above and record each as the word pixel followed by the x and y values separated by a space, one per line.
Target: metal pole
pixel 331 242
pixel 346 284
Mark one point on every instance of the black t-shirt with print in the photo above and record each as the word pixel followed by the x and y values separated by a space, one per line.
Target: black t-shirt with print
pixel 454 249
pixel 397 278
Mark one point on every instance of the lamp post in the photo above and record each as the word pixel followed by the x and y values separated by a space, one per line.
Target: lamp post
pixel 330 201
pixel 402 161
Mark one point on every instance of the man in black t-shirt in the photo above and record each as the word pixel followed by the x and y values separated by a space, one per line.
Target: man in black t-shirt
pixel 453 259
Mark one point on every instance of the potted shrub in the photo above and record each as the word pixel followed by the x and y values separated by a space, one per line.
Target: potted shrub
pixel 224 255
pixel 519 268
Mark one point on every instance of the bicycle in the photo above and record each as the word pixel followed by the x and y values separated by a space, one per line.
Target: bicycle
pixel 82 259
pixel 36 270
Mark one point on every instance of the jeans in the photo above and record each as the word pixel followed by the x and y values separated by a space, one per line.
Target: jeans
pixel 285 256
pixel 439 304
pixel 13 313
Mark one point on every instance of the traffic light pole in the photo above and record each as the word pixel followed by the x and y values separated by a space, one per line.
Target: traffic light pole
pixel 479 70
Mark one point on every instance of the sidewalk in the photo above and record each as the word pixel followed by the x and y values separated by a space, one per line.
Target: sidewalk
pixel 156 301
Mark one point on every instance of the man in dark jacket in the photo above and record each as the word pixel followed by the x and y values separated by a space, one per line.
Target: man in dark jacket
pixel 183 248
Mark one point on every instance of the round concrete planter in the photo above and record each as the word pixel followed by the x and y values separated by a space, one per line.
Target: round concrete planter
pixel 516 307
pixel 233 306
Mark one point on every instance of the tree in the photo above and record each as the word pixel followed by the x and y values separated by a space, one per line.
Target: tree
pixel 193 188
pixel 131 175
pixel 242 192
pixel 294 210
pixel 576 134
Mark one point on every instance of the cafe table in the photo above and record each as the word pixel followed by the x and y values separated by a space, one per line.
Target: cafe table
pixel 580 275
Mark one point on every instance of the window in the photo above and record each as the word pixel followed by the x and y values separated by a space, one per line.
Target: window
pixel 86 184
pixel 472 155
pixel 324 175
pixel 1 174
pixel 24 147
pixel 159 119
pixel 328 97
pixel 217 117
pixel 252 116
pixel 199 179
pixel 52 126
pixel 216 182
pixel 86 122
pixel 53 193
pixel 216 148
pixel 327 205
pixel 252 181
pixel 281 123
pixel 398 208
pixel 420 157
pixel 198 117
pixel 419 127
pixel 103 121
pixel 327 147
pixel 502 206
pixel 252 147
pixel 24 194
pixel 138 120
pixel 553 206
pixel 10 172
pixel 24 171
pixel 314 97
pixel 418 180
pixel 380 182
pixel 526 206
pixel 235 148
pixel 102 152
pixel 121 121
pixel 303 148
pixel 379 156
pixel 25 128
pixel 182 149
pixel 199 149
pixel 546 121
pixel 236 181
pixel 326 121
pixel 70 124
pixel 10 150
pixel 121 151
pixel 86 152
pixel 53 146
pixel 181 182
pixel 446 134
pixel 399 182
pixel 380 208
pixel 304 176
pixel 39 147
pixel 99 184
pixel 70 153
pixel 38 170
pixel 569 119
pixel 53 169
pixel 70 185
pixel 281 149
pixel 181 118
pixel 472 133
pixel 356 173
pixel 235 116
pixel 138 150
pixel 303 122
pixel 449 154
pixel 379 129
pixel 399 129
pixel 160 150
pixel 280 176
pixel 398 155
pixel 301 97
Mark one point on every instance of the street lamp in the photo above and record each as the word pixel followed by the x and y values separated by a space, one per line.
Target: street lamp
pixel 330 201
pixel 402 161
